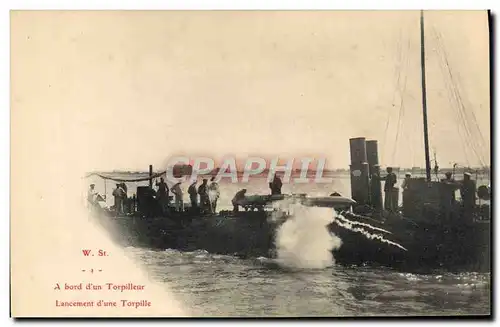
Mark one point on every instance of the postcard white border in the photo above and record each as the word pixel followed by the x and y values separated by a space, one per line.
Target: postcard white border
pixel 7 5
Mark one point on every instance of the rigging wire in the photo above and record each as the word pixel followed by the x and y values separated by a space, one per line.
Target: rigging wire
pixel 402 92
pixel 471 137
pixel 476 131
pixel 397 78
pixel 467 125
pixel 474 119
pixel 449 94
pixel 477 146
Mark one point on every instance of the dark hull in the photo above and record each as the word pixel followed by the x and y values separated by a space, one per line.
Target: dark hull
pixel 246 235
pixel 428 246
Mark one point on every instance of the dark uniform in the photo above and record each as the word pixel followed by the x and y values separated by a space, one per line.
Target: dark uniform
pixel 193 195
pixel 238 196
pixel 204 200
pixel 468 195
pixel 163 195
pixel 390 181
pixel 275 185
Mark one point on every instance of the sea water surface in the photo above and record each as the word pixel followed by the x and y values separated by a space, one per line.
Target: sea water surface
pixel 217 285
pixel 212 285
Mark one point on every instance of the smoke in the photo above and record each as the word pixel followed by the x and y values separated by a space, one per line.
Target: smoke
pixel 303 240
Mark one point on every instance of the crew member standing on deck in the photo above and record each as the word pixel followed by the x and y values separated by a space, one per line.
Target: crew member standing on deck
pixel 162 195
pixel 179 204
pixel 390 181
pixel 213 194
pixel 405 186
pixel 124 187
pixel 91 196
pixel 275 185
pixel 468 195
pixel 125 200
pixel 448 186
pixel 204 200
pixel 406 182
pixel 449 180
pixel 119 194
pixel 193 195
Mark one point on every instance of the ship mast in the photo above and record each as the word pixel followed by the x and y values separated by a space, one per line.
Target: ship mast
pixel 424 99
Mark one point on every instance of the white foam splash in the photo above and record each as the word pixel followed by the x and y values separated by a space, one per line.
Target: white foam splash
pixel 350 226
pixel 303 240
pixel 362 224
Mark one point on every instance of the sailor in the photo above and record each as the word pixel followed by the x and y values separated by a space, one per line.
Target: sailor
pixel 275 185
pixel 193 195
pixel 376 190
pixel 203 192
pixel 447 195
pixel 406 181
pixel 237 197
pixel 213 194
pixel 125 199
pixel 448 178
pixel 124 187
pixel 390 181
pixel 450 181
pixel 176 189
pixel 468 194
pixel 91 196
pixel 162 195
pixel 405 185
pixel 118 194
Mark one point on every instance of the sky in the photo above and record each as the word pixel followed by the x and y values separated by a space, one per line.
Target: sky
pixel 122 90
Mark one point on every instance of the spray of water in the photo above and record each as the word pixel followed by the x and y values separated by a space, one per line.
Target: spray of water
pixel 341 217
pixel 350 225
pixel 303 240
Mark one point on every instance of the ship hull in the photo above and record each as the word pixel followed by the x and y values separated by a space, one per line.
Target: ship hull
pixel 402 244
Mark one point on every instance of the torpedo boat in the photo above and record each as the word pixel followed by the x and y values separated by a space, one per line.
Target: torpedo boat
pixel 430 230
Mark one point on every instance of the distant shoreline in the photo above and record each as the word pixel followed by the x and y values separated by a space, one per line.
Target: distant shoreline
pixel 419 171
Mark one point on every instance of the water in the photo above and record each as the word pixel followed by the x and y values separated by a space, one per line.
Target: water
pixel 216 285
pixel 304 280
